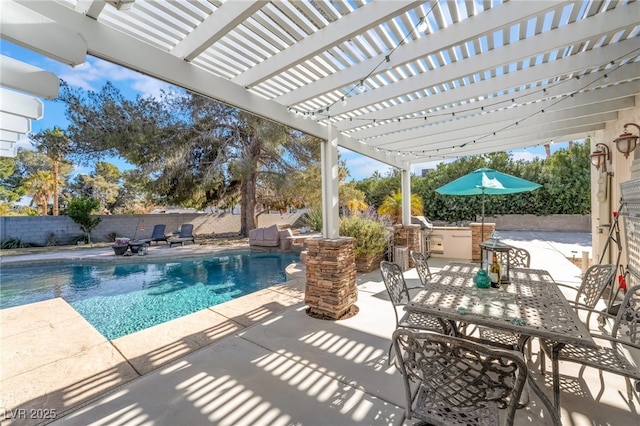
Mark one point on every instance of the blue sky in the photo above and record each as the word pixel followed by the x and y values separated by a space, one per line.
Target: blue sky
pixel 94 73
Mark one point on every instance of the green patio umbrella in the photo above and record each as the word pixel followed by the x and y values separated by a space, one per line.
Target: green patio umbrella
pixel 486 181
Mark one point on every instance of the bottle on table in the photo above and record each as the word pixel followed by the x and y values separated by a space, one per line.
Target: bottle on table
pixel 494 272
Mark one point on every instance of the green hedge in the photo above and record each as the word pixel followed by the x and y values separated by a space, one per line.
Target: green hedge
pixel 565 178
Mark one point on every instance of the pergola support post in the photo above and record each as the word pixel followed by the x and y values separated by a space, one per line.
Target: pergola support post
pixel 331 290
pixel 329 166
pixel 406 195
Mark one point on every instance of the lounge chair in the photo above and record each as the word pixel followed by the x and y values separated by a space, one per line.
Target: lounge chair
pixel 157 235
pixel 186 234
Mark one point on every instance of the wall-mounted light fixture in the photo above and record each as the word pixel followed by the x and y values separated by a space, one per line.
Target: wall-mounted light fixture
pixel 600 156
pixel 626 142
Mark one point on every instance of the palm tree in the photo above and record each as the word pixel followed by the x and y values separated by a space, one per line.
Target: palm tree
pixel 392 206
pixel 55 145
pixel 40 185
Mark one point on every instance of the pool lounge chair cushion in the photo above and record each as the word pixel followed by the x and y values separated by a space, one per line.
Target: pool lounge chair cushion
pixel 156 235
pixel 265 237
pixel 186 234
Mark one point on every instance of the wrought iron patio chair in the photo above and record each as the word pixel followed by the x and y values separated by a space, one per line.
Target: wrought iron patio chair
pixel 594 283
pixel 399 295
pixel 453 381
pixel 518 257
pixel 422 267
pixel 610 354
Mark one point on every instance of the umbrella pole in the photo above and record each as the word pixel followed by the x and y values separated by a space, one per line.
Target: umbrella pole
pixel 482 224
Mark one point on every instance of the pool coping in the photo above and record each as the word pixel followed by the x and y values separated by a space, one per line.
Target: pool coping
pixel 106 255
pixel 92 366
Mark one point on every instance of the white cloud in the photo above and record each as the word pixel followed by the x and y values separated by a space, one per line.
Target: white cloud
pixel 526 155
pixel 365 167
pixel 83 76
pixel 24 201
pixel 81 170
pixel 150 86
pixel 361 167
pixel 93 74
pixel 24 142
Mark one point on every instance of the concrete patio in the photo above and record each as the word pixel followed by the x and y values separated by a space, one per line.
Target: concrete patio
pixel 259 359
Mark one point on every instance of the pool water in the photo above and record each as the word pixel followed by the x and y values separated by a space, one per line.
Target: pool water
pixel 120 299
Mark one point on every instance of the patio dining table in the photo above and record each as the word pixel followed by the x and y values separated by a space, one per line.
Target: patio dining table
pixel 530 306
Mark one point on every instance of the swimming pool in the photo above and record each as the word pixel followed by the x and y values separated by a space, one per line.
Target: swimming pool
pixel 120 299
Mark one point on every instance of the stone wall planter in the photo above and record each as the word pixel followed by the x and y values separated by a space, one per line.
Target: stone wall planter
pixel 368 263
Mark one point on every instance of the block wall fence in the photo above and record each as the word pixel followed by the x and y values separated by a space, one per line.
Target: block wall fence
pixel 37 229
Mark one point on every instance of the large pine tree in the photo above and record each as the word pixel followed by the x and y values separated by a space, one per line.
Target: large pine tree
pixel 197 150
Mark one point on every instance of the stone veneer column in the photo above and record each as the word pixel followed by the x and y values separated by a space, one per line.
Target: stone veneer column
pixel 476 239
pixel 331 288
pixel 407 236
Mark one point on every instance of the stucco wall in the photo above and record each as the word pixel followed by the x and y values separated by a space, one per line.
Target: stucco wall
pixel 608 182
pixel 37 229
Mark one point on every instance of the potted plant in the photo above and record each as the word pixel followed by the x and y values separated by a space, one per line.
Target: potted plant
pixel 120 249
pixel 372 239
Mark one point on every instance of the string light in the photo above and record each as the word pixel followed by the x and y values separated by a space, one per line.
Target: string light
pixel 387 60
pixel 423 25
pixel 424 152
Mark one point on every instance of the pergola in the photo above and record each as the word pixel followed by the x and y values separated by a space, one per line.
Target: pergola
pixel 402 81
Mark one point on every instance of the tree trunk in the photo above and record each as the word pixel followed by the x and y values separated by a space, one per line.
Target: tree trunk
pixel 56 165
pixel 42 201
pixel 248 204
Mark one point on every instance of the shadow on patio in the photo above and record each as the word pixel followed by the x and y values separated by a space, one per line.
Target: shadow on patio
pixel 273 364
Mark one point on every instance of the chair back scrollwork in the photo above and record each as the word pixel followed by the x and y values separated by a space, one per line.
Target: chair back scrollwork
pixel 394 282
pixel 518 257
pixel 458 379
pixel 594 283
pixel 422 267
pixel 627 321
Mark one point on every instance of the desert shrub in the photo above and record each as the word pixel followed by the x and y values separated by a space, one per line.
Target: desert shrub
pixel 79 238
pixel 313 219
pixel 13 243
pixel 372 237
pixel 52 240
